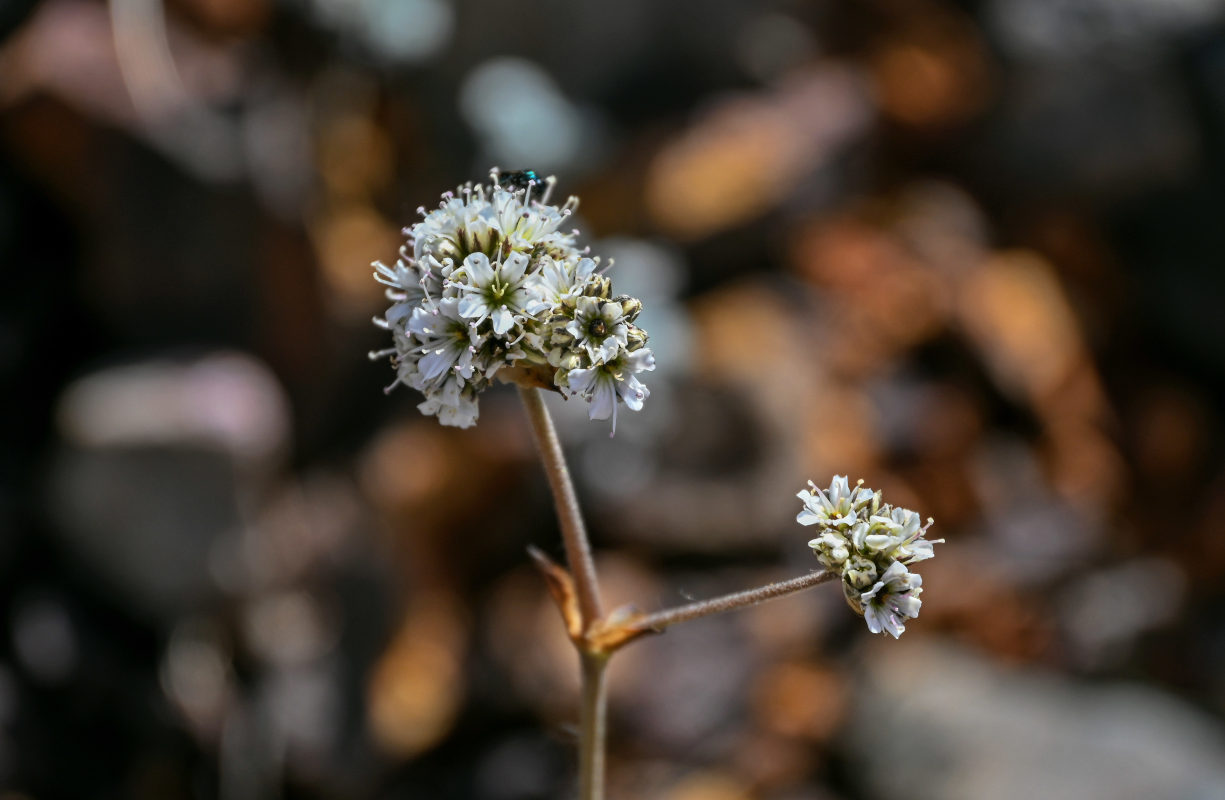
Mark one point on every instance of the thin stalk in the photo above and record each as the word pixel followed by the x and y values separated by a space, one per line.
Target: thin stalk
pixel 730 602
pixel 592 721
pixel 573 532
pixel 593 713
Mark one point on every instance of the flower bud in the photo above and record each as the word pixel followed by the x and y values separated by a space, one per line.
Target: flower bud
pixel 860 572
pixel 600 287
pixel 630 306
pixel 636 339
pixel 853 596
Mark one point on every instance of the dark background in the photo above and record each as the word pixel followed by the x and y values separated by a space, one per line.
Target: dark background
pixel 971 252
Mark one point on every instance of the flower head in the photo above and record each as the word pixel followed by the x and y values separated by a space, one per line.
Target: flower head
pixel 489 280
pixel 870 545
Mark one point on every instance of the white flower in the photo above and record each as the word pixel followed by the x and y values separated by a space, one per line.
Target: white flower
pixel 604 385
pixel 452 405
pixel 599 327
pixel 913 547
pixel 838 506
pixel 529 225
pixel 447 341
pixel 892 600
pixel 832 549
pixel 493 291
pixel 560 281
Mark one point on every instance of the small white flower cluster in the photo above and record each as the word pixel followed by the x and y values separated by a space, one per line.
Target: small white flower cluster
pixel 488 283
pixel 870 544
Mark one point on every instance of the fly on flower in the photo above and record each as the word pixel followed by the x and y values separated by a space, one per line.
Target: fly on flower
pixel 489 284
pixel 522 179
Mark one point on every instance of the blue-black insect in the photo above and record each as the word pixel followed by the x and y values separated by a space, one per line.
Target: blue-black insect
pixel 520 180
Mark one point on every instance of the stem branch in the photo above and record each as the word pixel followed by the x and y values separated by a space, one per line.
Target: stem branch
pixel 730 602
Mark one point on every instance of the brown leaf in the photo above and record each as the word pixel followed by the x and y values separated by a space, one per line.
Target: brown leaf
pixel 561 586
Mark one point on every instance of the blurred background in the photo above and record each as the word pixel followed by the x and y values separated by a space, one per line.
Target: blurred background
pixel 970 251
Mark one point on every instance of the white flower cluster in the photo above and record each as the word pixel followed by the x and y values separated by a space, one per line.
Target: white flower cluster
pixel 871 545
pixel 486 283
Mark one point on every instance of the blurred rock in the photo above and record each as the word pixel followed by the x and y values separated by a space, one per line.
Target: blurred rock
pixel 1106 610
pixel 1080 30
pixel 1034 533
pixel 163 461
pixel 521 116
pixel 44 639
pixel 773 43
pixel 416 689
pixel 1016 312
pixel 520 768
pixel 962 727
pixel 197 676
pixel 746 153
pixel 145 520
pixel 800 699
pixel 934 72
pixel 1106 131
pixel 223 401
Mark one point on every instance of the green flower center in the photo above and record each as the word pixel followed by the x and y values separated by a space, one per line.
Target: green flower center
pixel 495 293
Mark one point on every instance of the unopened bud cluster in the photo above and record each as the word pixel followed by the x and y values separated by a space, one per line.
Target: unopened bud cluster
pixel 488 283
pixel 870 544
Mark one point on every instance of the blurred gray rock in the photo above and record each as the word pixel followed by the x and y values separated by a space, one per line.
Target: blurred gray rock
pixel 160 460
pixel 145 519
pixel 933 722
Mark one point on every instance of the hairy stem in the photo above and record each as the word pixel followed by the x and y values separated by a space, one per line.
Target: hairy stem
pixel 593 713
pixel 730 602
pixel 592 725
pixel 573 533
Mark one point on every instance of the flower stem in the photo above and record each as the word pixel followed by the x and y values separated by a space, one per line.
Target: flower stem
pixel 730 602
pixel 593 714
pixel 573 532
pixel 592 722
